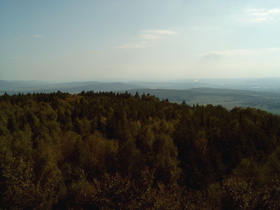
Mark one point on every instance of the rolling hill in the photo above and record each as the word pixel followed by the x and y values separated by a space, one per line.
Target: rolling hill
pixel 257 93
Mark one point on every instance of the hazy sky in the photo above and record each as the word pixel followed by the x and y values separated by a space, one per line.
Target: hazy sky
pixel 67 40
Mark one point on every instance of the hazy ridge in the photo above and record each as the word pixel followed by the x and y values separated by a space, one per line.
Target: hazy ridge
pixel 258 93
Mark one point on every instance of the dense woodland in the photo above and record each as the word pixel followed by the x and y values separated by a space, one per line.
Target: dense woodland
pixel 122 151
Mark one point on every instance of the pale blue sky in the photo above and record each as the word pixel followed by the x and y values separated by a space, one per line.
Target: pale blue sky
pixel 67 40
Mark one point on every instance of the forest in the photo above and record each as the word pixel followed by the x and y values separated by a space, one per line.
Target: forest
pixel 105 150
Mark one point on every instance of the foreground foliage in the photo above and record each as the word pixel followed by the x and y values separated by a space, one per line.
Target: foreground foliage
pixel 122 151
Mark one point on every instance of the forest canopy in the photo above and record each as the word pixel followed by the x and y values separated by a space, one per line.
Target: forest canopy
pixel 109 150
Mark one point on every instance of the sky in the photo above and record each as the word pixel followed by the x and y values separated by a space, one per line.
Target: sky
pixel 83 40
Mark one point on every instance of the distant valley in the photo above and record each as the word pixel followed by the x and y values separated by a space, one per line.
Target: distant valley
pixel 228 98
pixel 257 93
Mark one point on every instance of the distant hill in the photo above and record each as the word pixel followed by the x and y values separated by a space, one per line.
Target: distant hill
pixel 228 98
pixel 264 85
pixel 258 93
pixel 16 87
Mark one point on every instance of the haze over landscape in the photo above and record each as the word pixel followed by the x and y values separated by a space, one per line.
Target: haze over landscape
pixel 151 104
pixel 62 41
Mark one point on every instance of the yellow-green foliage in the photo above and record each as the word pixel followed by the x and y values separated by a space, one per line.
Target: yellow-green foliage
pixel 119 151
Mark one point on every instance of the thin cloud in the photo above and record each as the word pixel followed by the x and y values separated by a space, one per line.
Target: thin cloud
pixel 156 34
pixel 275 11
pixel 38 36
pixel 140 45
pixel 83 54
pixel 224 53
pixel 261 15
pixel 148 38
pixel 273 48
pixel 239 52
pixel 160 32
pixel 212 55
